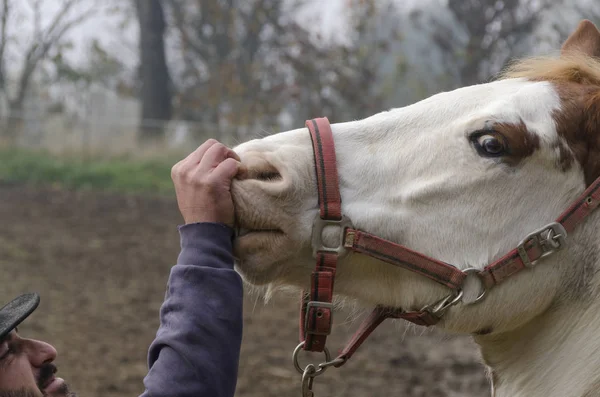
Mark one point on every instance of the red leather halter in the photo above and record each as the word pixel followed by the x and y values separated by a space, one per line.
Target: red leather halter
pixel 316 309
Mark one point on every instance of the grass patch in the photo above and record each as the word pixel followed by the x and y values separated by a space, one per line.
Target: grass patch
pixel 120 174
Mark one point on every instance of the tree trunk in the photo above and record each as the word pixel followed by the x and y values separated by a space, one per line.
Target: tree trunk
pixel 155 90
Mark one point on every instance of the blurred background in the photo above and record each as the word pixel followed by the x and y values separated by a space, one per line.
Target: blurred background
pixel 99 98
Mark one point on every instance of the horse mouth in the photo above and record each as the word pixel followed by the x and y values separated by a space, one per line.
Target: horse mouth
pixel 243 232
pixel 259 252
pixel 251 241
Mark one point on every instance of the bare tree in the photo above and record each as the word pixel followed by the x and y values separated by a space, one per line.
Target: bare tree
pixel 3 40
pixel 44 39
pixel 589 11
pixel 228 48
pixel 493 29
pixel 343 80
pixel 154 74
pixel 247 62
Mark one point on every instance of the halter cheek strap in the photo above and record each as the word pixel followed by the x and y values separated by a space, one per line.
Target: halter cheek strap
pixel 316 305
pixel 316 310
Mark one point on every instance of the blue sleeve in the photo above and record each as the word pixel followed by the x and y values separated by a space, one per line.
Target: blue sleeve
pixel 196 349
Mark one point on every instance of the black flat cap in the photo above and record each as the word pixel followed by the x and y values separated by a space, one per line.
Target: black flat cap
pixel 16 311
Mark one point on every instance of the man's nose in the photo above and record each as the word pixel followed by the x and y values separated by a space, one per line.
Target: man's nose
pixel 39 352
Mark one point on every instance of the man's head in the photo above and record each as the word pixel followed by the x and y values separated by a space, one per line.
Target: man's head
pixel 26 365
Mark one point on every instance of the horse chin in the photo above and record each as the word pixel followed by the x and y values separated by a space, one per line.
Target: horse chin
pixel 261 255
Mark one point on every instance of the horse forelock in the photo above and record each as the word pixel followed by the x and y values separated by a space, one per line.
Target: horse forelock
pixel 576 77
pixel 567 68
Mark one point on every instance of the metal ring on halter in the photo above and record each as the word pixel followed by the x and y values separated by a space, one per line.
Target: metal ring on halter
pixel 322 367
pixel 476 272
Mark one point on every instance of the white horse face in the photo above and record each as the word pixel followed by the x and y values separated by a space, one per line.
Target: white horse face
pixel 461 176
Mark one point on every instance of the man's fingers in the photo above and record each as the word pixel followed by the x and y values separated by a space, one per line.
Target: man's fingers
pixel 215 155
pixel 227 170
pixel 196 156
pixel 211 157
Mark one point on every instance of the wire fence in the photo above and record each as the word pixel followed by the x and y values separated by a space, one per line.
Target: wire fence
pixel 63 136
pixel 103 124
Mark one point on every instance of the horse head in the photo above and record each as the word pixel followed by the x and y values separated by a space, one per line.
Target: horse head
pixel 462 177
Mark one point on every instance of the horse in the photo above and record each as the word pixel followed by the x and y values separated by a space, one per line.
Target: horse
pixel 476 212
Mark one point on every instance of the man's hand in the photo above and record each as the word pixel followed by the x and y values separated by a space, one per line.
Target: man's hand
pixel 203 183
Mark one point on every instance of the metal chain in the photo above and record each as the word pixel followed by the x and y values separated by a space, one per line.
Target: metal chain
pixel 311 371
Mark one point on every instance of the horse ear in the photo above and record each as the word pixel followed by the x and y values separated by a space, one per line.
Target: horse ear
pixel 585 39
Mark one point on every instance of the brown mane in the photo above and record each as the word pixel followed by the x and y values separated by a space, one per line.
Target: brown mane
pixel 576 76
pixel 572 68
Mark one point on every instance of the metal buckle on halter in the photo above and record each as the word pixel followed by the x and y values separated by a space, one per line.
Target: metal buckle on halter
pixel 317 234
pixel 326 305
pixel 550 239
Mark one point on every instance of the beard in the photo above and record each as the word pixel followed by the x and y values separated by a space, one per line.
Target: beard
pixel 20 393
pixel 24 392
pixel 30 392
pixel 47 372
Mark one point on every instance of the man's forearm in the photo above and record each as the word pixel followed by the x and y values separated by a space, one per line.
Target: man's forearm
pixel 196 349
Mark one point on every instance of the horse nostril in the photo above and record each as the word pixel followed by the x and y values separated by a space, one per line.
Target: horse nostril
pixel 263 172
pixel 268 176
pixel 257 167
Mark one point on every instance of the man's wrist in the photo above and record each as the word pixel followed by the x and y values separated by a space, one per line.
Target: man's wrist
pixel 207 244
pixel 190 232
pixel 205 224
pixel 203 215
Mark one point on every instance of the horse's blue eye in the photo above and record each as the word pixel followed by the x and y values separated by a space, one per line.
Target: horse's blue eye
pixel 491 145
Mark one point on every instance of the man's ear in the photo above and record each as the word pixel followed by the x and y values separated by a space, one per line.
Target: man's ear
pixel 585 39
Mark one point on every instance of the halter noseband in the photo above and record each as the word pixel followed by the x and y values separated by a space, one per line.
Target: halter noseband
pixel 316 308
